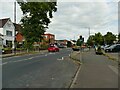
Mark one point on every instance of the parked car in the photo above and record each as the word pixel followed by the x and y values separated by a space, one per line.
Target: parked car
pixel 113 48
pixel 53 48
pixel 104 47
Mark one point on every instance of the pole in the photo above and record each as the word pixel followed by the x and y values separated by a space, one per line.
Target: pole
pixel 15 27
pixel 15 12
pixel 89 36
pixel 89 31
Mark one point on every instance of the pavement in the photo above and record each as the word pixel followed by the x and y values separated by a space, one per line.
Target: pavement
pixel 96 71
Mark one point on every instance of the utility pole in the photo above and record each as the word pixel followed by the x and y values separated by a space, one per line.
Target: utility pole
pixel 15 12
pixel 89 31
pixel 15 27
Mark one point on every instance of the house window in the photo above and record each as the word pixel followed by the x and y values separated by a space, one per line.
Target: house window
pixel 45 36
pixel 9 43
pixel 9 33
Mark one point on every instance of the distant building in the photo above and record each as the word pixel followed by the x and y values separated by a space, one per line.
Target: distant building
pixel 73 42
pixel 49 38
pixel 7 29
pixel 19 38
pixel 62 42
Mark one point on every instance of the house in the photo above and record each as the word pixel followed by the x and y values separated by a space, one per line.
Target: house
pixel 7 29
pixel 1 41
pixel 49 38
pixel 19 38
pixel 62 42
pixel 73 42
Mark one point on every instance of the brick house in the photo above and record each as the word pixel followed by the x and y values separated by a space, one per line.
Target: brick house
pixel 49 38
pixel 18 37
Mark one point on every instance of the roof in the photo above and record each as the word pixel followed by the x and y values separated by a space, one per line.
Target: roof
pixel 3 21
pixel 1 34
pixel 62 40
pixel 49 34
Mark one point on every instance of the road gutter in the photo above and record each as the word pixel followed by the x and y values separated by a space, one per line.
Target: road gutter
pixel 75 77
pixel 73 82
pixel 21 54
pixel 110 57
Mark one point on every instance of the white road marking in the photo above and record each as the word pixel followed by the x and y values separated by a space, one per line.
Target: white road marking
pixel 7 58
pixel 61 58
pixel 31 58
pixel 4 63
pixel 25 59
pixel 45 54
pixel 113 69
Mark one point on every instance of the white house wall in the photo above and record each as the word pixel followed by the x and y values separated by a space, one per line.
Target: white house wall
pixel 9 27
pixel 1 31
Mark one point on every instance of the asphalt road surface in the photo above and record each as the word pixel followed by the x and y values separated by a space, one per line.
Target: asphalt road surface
pixel 47 70
pixel 97 71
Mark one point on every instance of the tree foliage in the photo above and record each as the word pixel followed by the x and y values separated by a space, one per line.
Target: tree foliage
pixel 36 19
pixel 99 39
pixel 80 41
pixel 109 38
pixel 69 44
pixel 91 40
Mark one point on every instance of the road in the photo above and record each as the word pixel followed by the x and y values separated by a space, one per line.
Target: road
pixel 97 71
pixel 47 70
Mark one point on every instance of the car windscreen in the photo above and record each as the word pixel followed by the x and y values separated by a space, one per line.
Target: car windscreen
pixel 112 46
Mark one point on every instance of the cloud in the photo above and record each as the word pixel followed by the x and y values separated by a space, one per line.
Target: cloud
pixel 7 10
pixel 75 18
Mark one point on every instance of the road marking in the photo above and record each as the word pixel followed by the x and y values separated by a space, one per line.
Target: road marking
pixel 7 58
pixel 24 59
pixel 4 63
pixel 53 53
pixel 19 61
pixel 61 58
pixel 45 54
pixel 31 58
pixel 113 69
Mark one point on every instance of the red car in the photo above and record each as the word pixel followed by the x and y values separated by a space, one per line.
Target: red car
pixel 53 48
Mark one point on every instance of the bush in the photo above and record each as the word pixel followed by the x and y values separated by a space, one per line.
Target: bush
pixel 44 46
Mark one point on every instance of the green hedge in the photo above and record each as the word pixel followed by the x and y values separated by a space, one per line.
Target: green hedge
pixel 7 48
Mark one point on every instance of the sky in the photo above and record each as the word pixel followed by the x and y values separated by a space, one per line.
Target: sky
pixel 74 17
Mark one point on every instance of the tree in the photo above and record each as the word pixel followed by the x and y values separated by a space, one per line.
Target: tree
pixel 36 19
pixel 80 41
pixel 69 44
pixel 109 38
pixel 99 38
pixel 91 40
